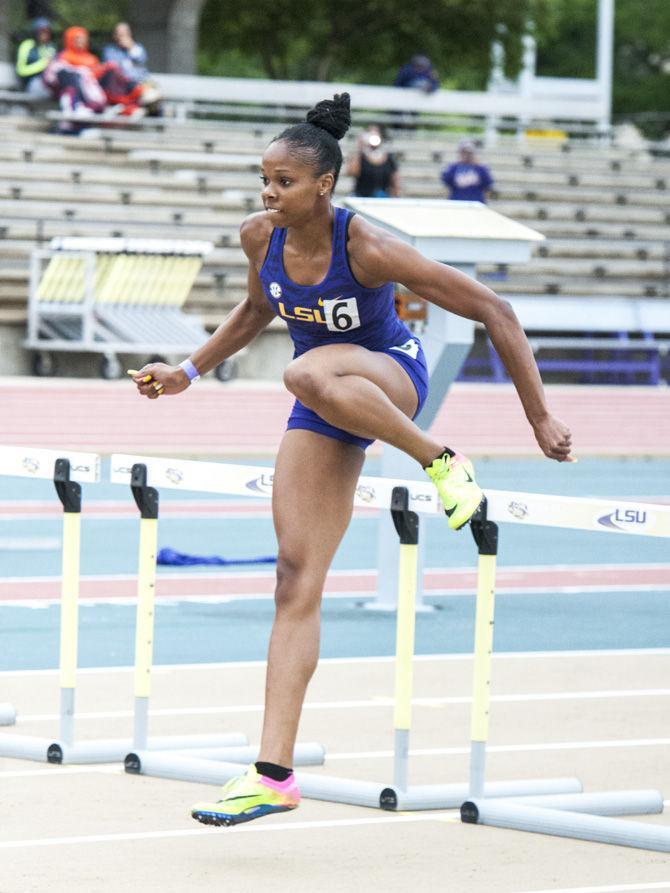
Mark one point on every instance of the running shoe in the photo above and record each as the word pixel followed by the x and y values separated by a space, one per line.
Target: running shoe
pixel 454 477
pixel 248 797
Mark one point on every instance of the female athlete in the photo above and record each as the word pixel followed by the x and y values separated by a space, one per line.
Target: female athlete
pixel 358 374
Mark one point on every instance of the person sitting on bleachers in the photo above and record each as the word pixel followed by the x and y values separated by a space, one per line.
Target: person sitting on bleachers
pixel 466 179
pixel 33 57
pixel 130 56
pixel 84 85
pixel 419 74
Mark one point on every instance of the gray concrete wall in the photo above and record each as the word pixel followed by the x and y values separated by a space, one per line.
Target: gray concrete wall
pixel 5 49
pixel 169 31
pixel 14 359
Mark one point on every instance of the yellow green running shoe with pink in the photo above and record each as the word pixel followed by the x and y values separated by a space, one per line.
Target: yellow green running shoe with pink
pixel 248 797
pixel 454 477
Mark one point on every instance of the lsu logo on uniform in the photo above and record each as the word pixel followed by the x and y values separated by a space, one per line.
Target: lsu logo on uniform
pixel 337 314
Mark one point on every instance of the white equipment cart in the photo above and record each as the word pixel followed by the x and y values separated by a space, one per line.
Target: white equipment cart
pixel 111 296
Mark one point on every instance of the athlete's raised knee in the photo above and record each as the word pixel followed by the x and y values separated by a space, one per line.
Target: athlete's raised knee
pixel 306 381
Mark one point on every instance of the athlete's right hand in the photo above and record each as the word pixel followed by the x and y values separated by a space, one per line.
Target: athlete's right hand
pixel 156 379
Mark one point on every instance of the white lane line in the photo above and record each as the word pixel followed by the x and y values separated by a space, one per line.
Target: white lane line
pixel 506 748
pixel 378 701
pixel 610 888
pixel 193 832
pixel 334 661
pixel 29 543
pixel 56 771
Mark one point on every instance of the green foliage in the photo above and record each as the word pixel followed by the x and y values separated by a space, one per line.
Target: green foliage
pixel 642 63
pixel 96 15
pixel 567 48
pixel 566 45
pixel 366 41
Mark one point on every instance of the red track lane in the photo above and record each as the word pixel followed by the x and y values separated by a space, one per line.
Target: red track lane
pixel 250 417
pixel 444 581
pixel 185 509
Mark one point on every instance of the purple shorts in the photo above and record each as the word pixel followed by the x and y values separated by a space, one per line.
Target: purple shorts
pixel 410 356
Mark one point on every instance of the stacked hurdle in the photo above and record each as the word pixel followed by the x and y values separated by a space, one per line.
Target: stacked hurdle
pixel 62 466
pixel 553 806
pixel 114 295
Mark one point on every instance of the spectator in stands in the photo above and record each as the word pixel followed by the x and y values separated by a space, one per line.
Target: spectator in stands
pixel 85 86
pixel 419 74
pixel 467 180
pixel 373 166
pixel 33 57
pixel 130 56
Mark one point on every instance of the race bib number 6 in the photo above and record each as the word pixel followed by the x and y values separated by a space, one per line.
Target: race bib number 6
pixel 341 314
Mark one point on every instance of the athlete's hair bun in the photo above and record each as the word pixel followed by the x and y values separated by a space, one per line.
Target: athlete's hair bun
pixel 332 115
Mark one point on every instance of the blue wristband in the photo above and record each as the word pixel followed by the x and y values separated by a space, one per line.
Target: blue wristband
pixel 190 370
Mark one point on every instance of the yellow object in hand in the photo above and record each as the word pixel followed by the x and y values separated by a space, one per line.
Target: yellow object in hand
pixel 134 372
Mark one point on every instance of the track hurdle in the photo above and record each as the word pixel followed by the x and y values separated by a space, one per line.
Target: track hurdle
pixel 69 470
pixel 377 492
pixel 580 816
pixel 212 747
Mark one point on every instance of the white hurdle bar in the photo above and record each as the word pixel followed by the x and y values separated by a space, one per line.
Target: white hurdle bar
pixel 528 509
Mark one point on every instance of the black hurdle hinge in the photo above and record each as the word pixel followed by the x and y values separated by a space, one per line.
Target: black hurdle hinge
pixel 146 498
pixel 406 522
pixel 484 532
pixel 69 492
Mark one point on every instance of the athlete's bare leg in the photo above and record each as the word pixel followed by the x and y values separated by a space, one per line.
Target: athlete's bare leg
pixel 363 392
pixel 312 500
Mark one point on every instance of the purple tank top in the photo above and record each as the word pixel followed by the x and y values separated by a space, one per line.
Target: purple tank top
pixel 337 311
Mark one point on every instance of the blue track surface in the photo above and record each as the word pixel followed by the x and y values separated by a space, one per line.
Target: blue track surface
pixel 193 632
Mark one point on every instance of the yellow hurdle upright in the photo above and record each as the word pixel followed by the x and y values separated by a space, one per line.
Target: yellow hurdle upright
pixel 407 525
pixel 485 533
pixel 146 499
pixel 69 493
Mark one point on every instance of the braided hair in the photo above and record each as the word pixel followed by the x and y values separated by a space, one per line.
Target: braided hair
pixel 315 141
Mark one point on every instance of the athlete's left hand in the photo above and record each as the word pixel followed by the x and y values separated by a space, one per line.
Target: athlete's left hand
pixel 554 438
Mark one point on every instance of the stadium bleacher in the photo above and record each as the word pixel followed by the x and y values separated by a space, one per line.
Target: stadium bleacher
pixel 603 209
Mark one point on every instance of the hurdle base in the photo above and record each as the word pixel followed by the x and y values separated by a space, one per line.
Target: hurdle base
pixel 214 765
pixel 565 823
pixel 7 714
pixel 417 797
pixel 113 750
pixel 604 803
pixel 193 768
